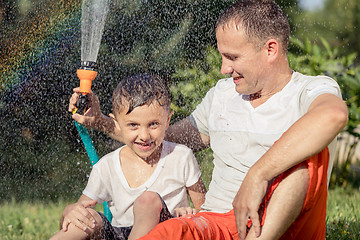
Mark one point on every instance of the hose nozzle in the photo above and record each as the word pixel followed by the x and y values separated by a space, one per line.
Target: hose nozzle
pixel 86 73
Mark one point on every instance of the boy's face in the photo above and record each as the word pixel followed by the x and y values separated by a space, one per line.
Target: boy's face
pixel 143 129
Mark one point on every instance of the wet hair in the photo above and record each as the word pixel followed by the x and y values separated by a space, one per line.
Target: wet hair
pixel 261 20
pixel 141 89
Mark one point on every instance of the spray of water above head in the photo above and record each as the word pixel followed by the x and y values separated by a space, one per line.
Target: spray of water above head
pixel 92 26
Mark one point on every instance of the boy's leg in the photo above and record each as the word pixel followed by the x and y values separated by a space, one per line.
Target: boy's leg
pixel 147 209
pixel 296 202
pixel 74 232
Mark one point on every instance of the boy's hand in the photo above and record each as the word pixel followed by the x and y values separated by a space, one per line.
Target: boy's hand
pixel 92 116
pixel 179 212
pixel 79 216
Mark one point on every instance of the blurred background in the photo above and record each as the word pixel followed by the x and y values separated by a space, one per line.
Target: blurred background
pixel 41 154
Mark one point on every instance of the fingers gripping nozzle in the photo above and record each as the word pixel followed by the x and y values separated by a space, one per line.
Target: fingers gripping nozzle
pixel 82 104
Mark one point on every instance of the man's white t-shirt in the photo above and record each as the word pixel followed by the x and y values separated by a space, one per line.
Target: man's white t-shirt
pixel 240 134
pixel 176 170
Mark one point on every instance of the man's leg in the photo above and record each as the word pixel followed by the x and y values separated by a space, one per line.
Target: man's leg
pixel 203 225
pixel 296 202
pixel 285 205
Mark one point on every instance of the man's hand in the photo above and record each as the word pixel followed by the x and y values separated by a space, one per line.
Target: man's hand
pixel 79 216
pixel 247 202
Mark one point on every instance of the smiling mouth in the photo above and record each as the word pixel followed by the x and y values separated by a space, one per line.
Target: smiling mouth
pixel 237 79
pixel 144 146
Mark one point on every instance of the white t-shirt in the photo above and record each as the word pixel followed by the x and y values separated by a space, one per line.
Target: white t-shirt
pixel 176 170
pixel 240 134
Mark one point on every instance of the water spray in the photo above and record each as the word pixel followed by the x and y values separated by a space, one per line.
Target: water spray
pixel 92 26
pixel 93 17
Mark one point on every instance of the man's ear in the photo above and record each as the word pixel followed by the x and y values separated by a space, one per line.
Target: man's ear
pixel 117 126
pixel 273 49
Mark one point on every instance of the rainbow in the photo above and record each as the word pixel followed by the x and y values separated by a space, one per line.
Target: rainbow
pixel 37 43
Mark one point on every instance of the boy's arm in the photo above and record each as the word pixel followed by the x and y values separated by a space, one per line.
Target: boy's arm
pixel 197 194
pixel 77 214
pixel 94 118
pixel 182 132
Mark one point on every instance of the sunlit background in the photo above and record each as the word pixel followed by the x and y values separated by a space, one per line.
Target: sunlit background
pixel 42 156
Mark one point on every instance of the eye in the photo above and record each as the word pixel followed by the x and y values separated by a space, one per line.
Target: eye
pixel 230 57
pixel 154 124
pixel 132 126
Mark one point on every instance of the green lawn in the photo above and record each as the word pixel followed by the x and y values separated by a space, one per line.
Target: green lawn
pixel 39 221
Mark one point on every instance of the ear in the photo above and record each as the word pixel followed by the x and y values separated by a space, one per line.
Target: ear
pixel 117 126
pixel 169 118
pixel 273 49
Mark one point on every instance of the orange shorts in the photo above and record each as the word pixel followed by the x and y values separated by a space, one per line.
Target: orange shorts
pixel 209 225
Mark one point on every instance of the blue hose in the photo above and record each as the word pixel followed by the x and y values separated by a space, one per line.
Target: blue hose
pixel 90 149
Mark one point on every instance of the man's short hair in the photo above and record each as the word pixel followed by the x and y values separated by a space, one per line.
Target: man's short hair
pixel 260 19
pixel 141 89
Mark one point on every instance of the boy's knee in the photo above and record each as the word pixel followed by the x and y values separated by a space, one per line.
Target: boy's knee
pixel 148 199
pixel 97 231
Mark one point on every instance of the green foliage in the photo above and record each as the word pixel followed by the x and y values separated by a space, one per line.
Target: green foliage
pixel 192 82
pixel 34 170
pixel 337 22
pixel 343 214
pixel 28 220
pixel 312 60
pixel 32 220
pixel 315 60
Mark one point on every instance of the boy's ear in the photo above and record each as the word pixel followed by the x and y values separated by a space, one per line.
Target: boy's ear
pixel 117 126
pixel 169 118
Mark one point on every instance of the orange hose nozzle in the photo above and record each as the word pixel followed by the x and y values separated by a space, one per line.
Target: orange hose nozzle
pixel 86 77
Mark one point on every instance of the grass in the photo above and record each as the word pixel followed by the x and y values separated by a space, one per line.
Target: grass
pixel 38 220
pixel 343 214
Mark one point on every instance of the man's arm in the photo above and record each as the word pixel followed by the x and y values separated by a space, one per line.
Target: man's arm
pixel 184 132
pixel 326 117
pixel 78 214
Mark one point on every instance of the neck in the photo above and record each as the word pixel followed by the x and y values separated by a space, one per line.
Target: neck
pixel 276 84
pixel 154 157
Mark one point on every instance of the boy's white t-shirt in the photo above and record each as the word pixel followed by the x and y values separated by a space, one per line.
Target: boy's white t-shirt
pixel 240 134
pixel 176 170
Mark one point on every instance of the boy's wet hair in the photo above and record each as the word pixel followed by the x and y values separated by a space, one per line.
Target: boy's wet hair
pixel 260 19
pixel 141 89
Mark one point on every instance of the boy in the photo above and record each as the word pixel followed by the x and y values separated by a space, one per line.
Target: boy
pixel 132 178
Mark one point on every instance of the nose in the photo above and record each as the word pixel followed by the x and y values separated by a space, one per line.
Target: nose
pixel 226 67
pixel 144 134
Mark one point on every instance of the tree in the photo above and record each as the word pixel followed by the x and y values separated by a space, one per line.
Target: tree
pixel 337 22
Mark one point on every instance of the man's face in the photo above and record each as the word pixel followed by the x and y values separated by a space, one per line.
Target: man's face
pixel 241 59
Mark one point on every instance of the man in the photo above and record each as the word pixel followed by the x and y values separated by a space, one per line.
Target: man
pixel 269 129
